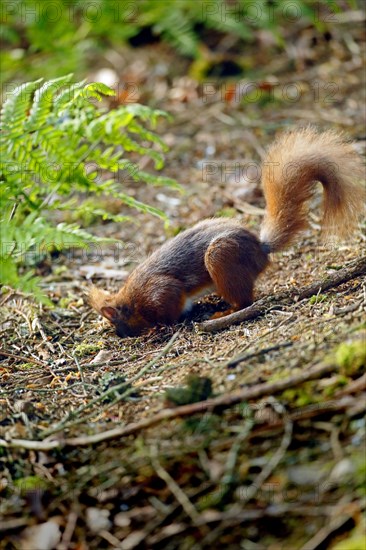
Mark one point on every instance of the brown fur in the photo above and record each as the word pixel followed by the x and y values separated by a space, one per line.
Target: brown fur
pixel 234 264
pixel 220 253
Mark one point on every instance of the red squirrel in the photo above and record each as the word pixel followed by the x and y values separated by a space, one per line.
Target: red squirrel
pixel 222 255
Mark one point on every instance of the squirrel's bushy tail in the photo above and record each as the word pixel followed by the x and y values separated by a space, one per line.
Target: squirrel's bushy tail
pixel 294 164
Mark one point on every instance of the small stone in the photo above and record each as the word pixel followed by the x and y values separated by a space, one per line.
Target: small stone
pixel 97 519
pixel 102 356
pixel 305 475
pixel 122 520
pixel 45 536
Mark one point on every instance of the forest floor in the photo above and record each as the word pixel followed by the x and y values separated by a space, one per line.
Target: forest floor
pixel 280 464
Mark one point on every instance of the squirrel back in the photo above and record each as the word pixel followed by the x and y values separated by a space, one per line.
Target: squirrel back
pixel 294 164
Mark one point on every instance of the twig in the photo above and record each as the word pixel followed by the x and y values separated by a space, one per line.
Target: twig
pixel 51 390
pixel 26 318
pixel 223 401
pixel 180 495
pixel 22 358
pixel 227 478
pixel 353 269
pixel 347 309
pixel 36 323
pixel 111 539
pixel 72 518
pixel 245 356
pixel 82 379
pixel 32 445
pixel 273 462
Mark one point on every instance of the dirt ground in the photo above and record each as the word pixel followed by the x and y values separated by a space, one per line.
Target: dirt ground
pixel 282 470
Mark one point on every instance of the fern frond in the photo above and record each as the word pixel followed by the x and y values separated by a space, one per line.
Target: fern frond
pixel 57 148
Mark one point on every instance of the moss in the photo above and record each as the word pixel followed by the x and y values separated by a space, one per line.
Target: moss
pixel 87 349
pixel 339 382
pixel 65 302
pixel 351 356
pixel 281 374
pixel 301 396
pixel 60 269
pixel 335 267
pixel 30 483
pixel 197 389
pixel 26 366
pixel 317 299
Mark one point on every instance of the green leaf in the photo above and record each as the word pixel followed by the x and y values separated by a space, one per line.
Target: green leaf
pixel 43 102
pixel 97 90
pixel 14 110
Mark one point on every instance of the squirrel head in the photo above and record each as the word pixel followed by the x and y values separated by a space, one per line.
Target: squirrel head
pixel 123 316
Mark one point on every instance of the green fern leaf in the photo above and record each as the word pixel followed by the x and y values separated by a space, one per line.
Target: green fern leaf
pixel 43 102
pixel 15 109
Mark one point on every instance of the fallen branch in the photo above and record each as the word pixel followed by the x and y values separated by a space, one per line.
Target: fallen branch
pixel 353 269
pixel 23 358
pixel 220 402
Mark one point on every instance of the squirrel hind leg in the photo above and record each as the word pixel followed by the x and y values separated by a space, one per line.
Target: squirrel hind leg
pixel 234 263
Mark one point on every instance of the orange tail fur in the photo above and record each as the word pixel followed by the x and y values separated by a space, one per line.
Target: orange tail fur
pixel 295 162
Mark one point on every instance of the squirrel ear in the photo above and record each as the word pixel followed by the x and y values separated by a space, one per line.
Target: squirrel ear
pixel 109 313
